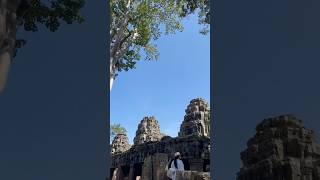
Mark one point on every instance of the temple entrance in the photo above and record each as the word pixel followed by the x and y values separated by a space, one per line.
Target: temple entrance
pixel 125 170
pixel 111 172
pixel 206 165
pixel 137 169
pixel 186 164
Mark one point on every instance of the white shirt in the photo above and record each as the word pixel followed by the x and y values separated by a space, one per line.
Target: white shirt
pixel 172 170
pixel 179 164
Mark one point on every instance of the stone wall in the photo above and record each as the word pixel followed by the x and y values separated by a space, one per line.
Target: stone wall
pixel 154 167
pixel 192 175
pixel 282 148
pixel 192 148
pixel 149 155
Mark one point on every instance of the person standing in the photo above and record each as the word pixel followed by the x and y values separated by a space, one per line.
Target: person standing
pixel 175 165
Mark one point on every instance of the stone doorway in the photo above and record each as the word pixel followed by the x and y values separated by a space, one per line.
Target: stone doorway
pixel 186 164
pixel 206 165
pixel 125 171
pixel 137 169
pixel 111 172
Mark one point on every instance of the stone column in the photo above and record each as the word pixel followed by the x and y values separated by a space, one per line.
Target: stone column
pixel 117 174
pixel 114 174
pixel 154 167
pixel 131 173
pixel 146 169
pixel 160 161
pixel 196 165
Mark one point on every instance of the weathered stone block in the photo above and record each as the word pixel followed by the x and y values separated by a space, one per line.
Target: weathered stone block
pixel 117 174
pixel 197 119
pixel 192 175
pixel 196 165
pixel 154 167
pixel 120 144
pixel 148 131
pixel 282 148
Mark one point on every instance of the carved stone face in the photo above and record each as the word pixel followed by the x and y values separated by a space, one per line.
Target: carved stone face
pixel 148 130
pixel 276 146
pixel 197 119
pixel 120 144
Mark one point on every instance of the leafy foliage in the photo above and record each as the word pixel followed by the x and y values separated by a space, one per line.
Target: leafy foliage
pixel 136 24
pixel 203 9
pixel 32 13
pixel 50 14
pixel 116 129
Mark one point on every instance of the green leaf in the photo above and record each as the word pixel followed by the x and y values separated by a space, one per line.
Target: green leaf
pixel 50 14
pixel 116 129
pixel 150 19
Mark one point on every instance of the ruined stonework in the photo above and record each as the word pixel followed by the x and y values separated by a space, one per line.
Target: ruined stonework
pixel 192 175
pixel 151 152
pixel 197 119
pixel 148 131
pixel 281 149
pixel 120 144
pixel 154 166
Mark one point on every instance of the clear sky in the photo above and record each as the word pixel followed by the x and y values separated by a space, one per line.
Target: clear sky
pixel 164 88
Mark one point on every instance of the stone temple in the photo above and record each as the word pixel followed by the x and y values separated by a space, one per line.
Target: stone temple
pixel 148 157
pixel 281 149
pixel 120 144
pixel 197 119
pixel 148 131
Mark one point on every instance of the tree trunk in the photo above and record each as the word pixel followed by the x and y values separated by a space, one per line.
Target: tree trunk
pixel 8 30
pixel 116 46
pixel 111 82
pixel 5 61
pixel 112 72
pixel 114 51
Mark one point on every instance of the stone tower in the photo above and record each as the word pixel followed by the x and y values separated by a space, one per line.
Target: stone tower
pixel 120 144
pixel 197 119
pixel 281 149
pixel 148 131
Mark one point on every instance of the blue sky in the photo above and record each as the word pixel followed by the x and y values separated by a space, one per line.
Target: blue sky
pixel 164 88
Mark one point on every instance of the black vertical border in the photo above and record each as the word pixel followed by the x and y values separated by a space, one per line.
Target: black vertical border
pixel 107 90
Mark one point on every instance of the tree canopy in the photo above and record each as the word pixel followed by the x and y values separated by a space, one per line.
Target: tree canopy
pixel 32 13
pixel 29 15
pixel 202 7
pixel 136 24
pixel 116 129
